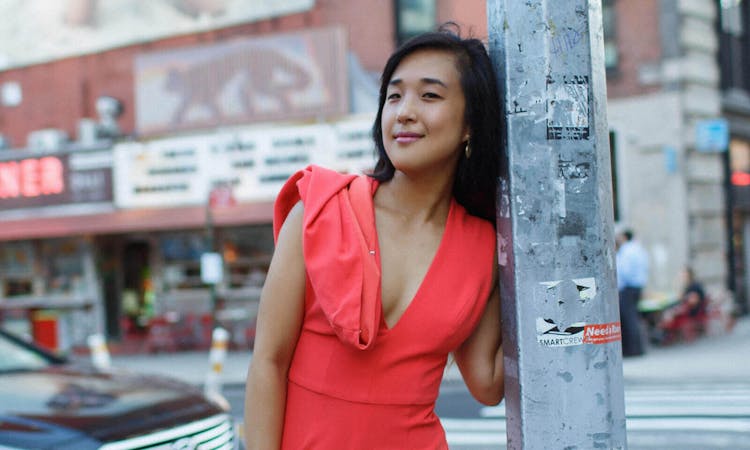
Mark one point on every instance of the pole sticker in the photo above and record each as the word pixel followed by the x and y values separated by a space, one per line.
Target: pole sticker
pixel 602 333
pixel 550 334
pixel 568 107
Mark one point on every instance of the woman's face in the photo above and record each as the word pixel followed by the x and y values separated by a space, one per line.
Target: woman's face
pixel 423 115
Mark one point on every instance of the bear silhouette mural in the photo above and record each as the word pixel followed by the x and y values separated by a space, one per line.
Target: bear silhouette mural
pixel 262 75
pixel 291 76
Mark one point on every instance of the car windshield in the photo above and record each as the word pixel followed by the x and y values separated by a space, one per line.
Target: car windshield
pixel 16 357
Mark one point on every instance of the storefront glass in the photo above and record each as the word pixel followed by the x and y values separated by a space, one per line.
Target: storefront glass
pixel 247 253
pixel 739 157
pixel 17 268
pixel 181 254
pixel 63 267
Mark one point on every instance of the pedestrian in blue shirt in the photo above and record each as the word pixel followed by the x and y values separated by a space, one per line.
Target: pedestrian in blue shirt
pixel 632 276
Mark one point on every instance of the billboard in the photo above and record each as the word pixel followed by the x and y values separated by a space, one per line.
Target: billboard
pixel 285 76
pixel 253 161
pixel 35 31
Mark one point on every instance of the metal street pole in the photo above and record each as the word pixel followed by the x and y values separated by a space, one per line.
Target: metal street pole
pixel 210 247
pixel 563 360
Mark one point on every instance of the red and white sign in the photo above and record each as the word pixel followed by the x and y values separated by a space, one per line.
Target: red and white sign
pixel 602 333
pixel 221 196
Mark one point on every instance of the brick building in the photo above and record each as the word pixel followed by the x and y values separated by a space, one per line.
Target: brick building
pixel 163 134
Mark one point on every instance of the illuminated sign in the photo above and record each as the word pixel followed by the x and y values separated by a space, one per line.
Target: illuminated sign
pixel 55 180
pixel 31 177
pixel 741 179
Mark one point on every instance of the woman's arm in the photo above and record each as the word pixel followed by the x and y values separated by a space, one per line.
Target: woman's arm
pixel 480 357
pixel 278 326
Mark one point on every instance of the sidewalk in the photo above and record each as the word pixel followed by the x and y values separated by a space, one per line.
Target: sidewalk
pixel 719 358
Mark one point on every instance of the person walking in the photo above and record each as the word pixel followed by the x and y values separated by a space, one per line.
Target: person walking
pixel 377 278
pixel 632 275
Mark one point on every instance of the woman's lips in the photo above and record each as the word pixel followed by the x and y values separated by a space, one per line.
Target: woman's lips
pixel 407 138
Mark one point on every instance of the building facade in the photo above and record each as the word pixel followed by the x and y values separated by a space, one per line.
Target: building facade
pixel 678 131
pixel 734 53
pixel 130 157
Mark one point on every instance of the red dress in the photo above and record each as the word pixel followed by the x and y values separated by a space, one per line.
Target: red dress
pixel 355 383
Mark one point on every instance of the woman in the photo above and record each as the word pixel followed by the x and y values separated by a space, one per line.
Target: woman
pixel 376 279
pixel 693 294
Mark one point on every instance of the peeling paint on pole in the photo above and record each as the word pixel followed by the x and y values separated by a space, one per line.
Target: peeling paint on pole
pixel 563 363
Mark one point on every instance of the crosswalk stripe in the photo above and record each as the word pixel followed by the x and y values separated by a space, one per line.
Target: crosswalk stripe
pixel 694 408
pixel 457 438
pixel 659 410
pixel 687 410
pixel 692 424
pixel 473 424
pixel 493 411
pixel 690 397
pixel 700 423
pixel 474 431
pixel 690 401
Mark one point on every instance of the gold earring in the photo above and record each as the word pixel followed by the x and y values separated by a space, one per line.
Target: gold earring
pixel 467 150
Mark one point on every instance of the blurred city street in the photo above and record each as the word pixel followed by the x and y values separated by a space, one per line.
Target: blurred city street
pixel 685 396
pixel 143 147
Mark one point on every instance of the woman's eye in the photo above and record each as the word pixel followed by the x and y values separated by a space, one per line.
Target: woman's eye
pixel 393 96
pixel 430 95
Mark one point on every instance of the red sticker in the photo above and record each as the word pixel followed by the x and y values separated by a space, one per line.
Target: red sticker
pixel 602 333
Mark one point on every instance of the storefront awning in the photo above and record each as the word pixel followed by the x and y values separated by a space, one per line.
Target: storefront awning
pixel 135 220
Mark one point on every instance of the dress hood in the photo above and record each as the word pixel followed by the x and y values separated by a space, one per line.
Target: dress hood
pixel 340 248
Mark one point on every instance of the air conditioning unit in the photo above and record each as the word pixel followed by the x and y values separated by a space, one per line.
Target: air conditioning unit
pixel 49 139
pixel 88 131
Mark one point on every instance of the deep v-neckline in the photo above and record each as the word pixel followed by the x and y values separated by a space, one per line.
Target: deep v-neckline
pixel 431 268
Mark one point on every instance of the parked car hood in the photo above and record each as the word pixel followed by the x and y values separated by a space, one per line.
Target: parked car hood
pixel 106 406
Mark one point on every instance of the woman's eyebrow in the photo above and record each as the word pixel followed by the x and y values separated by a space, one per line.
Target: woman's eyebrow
pixel 426 80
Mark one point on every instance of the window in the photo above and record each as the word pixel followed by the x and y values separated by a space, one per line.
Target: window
pixel 731 17
pixel 734 51
pixel 611 55
pixel 181 254
pixel 247 253
pixel 414 17
pixel 16 268
pixel 63 261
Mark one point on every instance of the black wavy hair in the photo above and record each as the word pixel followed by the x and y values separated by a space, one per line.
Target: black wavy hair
pixel 475 185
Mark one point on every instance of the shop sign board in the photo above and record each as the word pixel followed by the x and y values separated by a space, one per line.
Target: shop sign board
pixel 55 179
pixel 278 77
pixel 251 163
